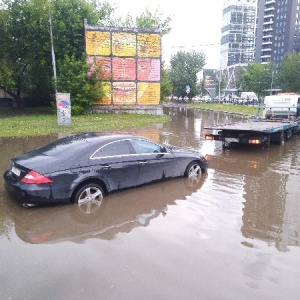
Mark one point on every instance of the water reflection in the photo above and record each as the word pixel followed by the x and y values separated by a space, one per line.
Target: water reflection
pixel 269 190
pixel 243 220
pixel 266 179
pixel 119 212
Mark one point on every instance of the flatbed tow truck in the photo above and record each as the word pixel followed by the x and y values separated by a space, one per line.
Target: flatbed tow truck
pixel 277 124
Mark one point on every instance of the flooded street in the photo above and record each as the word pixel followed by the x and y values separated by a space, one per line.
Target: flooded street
pixel 236 235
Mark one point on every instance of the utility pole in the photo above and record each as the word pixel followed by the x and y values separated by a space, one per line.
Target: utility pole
pixel 52 49
pixel 219 86
pixel 271 90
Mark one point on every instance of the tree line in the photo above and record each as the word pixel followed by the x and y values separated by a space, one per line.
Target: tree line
pixel 26 67
pixel 26 64
pixel 263 79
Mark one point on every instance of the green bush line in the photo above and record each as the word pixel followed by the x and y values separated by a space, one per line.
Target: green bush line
pixel 42 121
pixel 239 109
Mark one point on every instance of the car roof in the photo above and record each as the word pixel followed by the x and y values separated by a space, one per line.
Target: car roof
pixel 101 136
pixel 71 145
pixel 90 139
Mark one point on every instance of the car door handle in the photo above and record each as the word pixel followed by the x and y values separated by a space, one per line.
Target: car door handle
pixel 143 162
pixel 106 167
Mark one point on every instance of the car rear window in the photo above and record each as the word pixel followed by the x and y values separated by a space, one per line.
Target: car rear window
pixel 63 147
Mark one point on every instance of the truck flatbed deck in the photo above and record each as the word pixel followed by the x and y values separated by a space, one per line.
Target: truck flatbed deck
pixel 254 131
pixel 281 119
pixel 257 125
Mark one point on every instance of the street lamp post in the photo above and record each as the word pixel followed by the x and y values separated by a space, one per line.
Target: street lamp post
pixel 52 49
pixel 219 86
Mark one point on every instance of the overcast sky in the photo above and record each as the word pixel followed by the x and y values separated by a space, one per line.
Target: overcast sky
pixel 195 25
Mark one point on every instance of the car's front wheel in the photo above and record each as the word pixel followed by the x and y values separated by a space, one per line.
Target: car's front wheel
pixel 89 197
pixel 193 173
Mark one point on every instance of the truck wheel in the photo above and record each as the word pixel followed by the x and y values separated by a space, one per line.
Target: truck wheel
pixel 225 145
pixel 278 138
pixel 289 133
pixel 281 137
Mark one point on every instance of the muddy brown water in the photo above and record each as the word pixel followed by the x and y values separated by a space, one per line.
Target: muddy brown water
pixel 235 235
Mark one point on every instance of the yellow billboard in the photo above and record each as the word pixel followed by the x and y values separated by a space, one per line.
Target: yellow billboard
pixel 128 61
pixel 148 45
pixel 97 43
pixel 123 44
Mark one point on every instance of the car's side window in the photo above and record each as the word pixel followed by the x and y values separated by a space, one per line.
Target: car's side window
pixel 143 146
pixel 113 149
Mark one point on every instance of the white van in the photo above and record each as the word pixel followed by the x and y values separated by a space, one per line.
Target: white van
pixel 249 97
pixel 282 106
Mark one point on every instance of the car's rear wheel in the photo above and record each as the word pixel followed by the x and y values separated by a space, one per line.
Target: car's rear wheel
pixel 193 173
pixel 89 197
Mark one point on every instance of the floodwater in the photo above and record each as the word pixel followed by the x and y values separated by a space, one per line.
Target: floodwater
pixel 234 236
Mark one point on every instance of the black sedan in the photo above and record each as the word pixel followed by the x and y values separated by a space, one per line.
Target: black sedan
pixel 82 168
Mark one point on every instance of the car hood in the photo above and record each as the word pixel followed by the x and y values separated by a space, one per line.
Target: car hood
pixel 181 150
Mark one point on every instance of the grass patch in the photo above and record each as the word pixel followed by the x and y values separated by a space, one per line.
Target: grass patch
pixel 43 124
pixel 240 109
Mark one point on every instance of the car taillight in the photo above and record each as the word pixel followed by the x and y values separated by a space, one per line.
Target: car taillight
pixel 209 137
pixel 254 141
pixel 33 177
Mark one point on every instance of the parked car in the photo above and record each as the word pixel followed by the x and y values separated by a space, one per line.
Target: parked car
pixel 82 168
pixel 206 99
pixel 196 99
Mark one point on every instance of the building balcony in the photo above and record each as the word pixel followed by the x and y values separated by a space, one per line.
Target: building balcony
pixel 270 2
pixel 269 9
pixel 267 36
pixel 268 30
pixel 269 15
pixel 266 50
pixel 265 56
pixel 266 43
pixel 269 22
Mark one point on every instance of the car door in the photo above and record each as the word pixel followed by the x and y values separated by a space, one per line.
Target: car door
pixel 115 163
pixel 155 163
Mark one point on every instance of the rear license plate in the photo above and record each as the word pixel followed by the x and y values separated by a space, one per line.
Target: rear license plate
pixel 15 171
pixel 232 140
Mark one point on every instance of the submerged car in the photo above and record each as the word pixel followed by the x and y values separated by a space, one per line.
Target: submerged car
pixel 83 168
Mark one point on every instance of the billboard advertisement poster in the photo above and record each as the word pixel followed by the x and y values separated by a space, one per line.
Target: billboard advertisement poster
pixel 128 61
pixel 63 105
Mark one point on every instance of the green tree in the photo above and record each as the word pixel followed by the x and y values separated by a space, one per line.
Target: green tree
pixel 289 73
pixel 184 69
pixel 166 87
pixel 146 19
pixel 258 79
pixel 76 78
pixel 25 44
pixel 25 53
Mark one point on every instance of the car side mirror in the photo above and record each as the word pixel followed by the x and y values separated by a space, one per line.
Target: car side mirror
pixel 164 149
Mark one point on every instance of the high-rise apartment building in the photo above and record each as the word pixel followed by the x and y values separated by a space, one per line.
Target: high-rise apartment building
pixel 278 30
pixel 238 32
